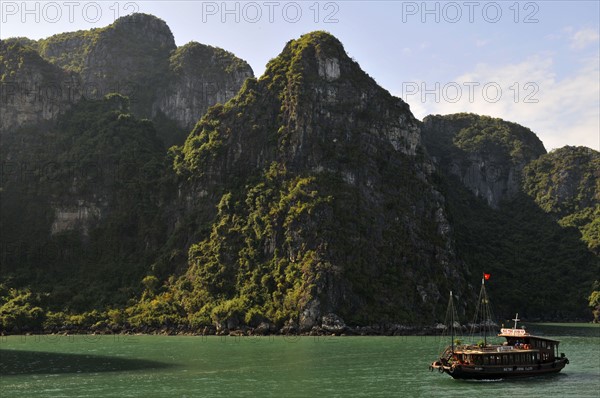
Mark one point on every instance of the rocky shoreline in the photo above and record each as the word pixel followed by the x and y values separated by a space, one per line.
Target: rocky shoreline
pixel 331 325
pixel 374 330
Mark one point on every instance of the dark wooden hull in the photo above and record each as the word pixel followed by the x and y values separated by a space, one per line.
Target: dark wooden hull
pixel 504 371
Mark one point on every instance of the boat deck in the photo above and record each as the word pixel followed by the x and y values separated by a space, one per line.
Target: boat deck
pixel 475 349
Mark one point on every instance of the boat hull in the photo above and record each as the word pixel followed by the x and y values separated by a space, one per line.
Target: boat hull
pixel 505 371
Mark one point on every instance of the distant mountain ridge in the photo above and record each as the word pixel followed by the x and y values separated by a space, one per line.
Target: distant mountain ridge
pixel 301 201
pixel 503 228
pixel 135 56
pixel 487 154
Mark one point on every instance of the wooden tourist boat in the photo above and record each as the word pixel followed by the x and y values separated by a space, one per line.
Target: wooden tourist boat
pixel 522 355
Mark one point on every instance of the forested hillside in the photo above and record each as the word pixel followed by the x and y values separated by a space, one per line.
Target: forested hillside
pixel 302 201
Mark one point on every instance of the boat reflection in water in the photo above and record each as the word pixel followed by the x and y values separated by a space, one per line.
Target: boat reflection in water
pixel 522 355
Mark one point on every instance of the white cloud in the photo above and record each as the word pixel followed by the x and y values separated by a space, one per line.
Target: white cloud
pixel 584 37
pixel 481 43
pixel 561 112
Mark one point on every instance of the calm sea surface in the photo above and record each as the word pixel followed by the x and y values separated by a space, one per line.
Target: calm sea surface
pixel 162 366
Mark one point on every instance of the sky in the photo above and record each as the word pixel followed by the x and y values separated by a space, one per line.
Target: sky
pixel 536 63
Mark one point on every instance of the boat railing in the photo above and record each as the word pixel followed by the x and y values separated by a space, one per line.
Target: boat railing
pixel 478 347
pixel 487 348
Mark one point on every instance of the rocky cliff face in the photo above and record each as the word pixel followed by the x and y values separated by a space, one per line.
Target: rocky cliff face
pixel 130 57
pixel 565 180
pixel 201 76
pixel 487 168
pixel 32 90
pixel 566 184
pixel 79 204
pixel 323 197
pixel 487 154
pixel 136 56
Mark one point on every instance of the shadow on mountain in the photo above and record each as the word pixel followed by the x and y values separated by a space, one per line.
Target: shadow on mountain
pixel 18 362
pixel 539 269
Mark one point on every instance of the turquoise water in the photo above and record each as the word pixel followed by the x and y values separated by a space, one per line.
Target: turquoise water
pixel 189 366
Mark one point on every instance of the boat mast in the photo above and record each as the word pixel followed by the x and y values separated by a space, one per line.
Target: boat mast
pixel 483 318
pixel 452 322
pixel 484 297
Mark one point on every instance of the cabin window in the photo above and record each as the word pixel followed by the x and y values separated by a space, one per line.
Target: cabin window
pixel 486 360
pixel 545 356
pixel 504 359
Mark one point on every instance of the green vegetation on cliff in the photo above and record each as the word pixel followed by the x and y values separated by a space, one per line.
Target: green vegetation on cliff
pixel 312 191
pixel 82 204
pixel 196 55
pixel 538 268
pixel 239 273
pixel 566 184
pixel 17 56
pixel 135 56
pixel 522 246
pixel 283 184
pixel 458 136
pixel 486 135
pixel 68 50
pixel 19 310
pixel 129 42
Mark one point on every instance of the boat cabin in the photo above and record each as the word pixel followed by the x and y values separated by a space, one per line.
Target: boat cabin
pixel 520 339
pixel 520 348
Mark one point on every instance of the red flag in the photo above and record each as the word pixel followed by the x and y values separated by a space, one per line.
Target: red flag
pixel 486 277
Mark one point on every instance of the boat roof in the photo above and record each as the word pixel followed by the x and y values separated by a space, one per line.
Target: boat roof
pixel 521 333
pixel 529 336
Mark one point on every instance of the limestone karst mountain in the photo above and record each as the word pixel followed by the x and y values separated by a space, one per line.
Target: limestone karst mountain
pixel 307 198
pixel 323 198
pixel 136 56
